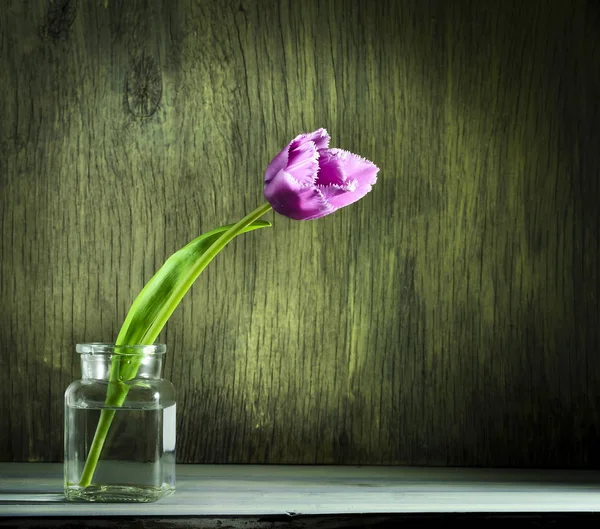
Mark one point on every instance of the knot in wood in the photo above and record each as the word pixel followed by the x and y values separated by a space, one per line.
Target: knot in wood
pixel 59 18
pixel 143 88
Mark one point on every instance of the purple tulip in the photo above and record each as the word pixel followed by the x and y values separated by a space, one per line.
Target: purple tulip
pixel 307 180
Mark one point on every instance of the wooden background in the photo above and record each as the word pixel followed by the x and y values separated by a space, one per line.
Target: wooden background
pixel 449 318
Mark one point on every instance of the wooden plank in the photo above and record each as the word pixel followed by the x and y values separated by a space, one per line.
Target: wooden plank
pixel 449 318
pixel 33 489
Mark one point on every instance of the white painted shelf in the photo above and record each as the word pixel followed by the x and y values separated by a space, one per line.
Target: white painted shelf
pixel 33 489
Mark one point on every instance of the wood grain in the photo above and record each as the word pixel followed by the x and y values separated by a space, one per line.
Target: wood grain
pixel 449 318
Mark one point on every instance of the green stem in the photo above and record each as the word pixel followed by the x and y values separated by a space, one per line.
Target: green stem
pixel 106 417
pixel 117 390
pixel 116 393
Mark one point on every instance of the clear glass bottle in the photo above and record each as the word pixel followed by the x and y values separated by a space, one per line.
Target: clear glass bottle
pixel 120 426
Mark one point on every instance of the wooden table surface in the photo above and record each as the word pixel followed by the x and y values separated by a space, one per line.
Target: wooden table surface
pixel 35 489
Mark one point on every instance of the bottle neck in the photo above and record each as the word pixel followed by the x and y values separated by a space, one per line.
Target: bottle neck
pixel 98 366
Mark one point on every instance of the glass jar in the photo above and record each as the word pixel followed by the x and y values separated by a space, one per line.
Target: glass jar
pixel 120 426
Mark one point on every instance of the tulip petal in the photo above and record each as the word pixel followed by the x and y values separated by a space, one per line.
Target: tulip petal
pixel 360 175
pixel 303 162
pixel 319 137
pixel 295 200
pixel 277 164
pixel 331 168
pixel 356 167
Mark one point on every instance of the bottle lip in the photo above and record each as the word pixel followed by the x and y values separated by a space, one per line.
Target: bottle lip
pixel 97 348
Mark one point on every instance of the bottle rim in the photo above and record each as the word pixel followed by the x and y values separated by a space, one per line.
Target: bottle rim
pixel 99 348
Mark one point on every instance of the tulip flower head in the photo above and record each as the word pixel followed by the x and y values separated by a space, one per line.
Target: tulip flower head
pixel 308 180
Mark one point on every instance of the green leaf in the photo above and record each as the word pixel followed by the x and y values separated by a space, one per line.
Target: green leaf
pixel 161 295
pixel 151 310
